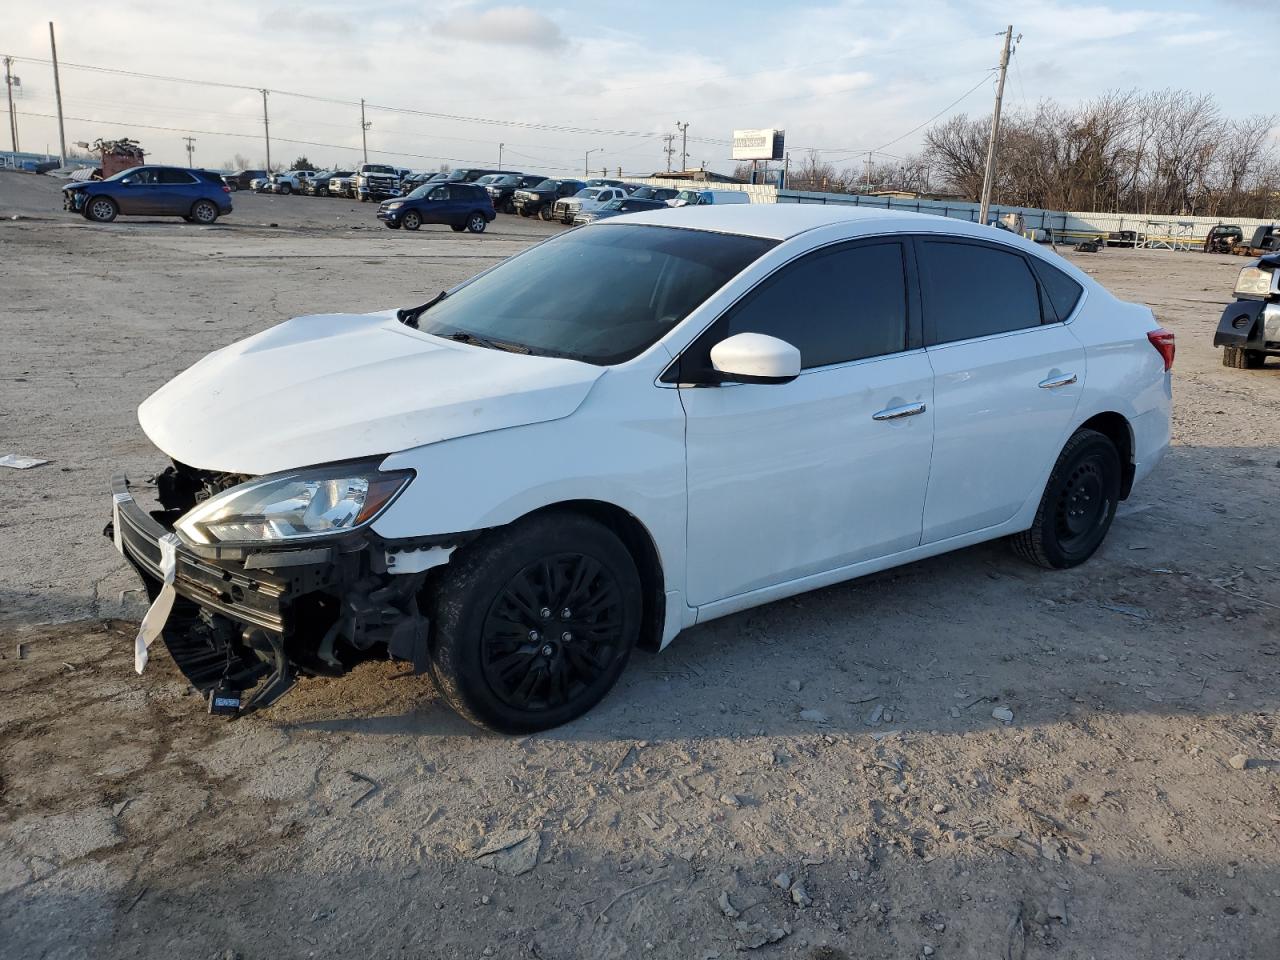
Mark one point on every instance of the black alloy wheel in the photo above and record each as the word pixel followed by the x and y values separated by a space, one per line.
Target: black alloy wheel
pixel 1078 505
pixel 534 623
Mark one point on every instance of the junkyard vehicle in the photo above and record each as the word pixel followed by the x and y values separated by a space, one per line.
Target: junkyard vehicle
pixel 375 181
pixel 704 198
pixel 340 184
pixel 241 178
pixel 290 181
pixel 602 182
pixel 626 430
pixel 1249 329
pixel 463 206
pixel 260 184
pixel 318 185
pixel 585 201
pixel 470 174
pixel 1223 238
pixel 646 192
pixel 539 200
pixel 502 190
pixel 616 208
pixel 197 196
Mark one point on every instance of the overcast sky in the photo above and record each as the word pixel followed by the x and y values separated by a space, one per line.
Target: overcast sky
pixel 845 77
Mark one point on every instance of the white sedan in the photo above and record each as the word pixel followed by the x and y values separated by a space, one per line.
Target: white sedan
pixel 630 429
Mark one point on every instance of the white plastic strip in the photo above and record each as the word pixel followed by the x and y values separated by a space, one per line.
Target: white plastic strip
pixel 116 534
pixel 158 613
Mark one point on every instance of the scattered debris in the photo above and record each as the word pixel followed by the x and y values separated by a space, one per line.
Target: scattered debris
pixel 19 462
pixel 602 915
pixel 782 881
pixel 511 853
pixel 1003 714
pixel 730 800
pixel 727 907
pixel 874 717
pixel 756 935
pixel 795 686
pixel 1239 762
pixel 1138 613
pixel 374 786
pixel 940 808
pixel 813 716
pixel 799 896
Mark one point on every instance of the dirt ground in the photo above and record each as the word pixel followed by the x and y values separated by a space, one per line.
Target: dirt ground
pixel 821 778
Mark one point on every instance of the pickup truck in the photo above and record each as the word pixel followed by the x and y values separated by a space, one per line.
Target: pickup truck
pixel 291 181
pixel 376 181
pixel 1249 329
pixel 538 200
pixel 587 200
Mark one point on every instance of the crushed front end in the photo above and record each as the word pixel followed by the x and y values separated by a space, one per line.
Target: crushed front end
pixel 249 616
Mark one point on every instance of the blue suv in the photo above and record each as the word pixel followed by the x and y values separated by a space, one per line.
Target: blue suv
pixel 197 196
pixel 463 206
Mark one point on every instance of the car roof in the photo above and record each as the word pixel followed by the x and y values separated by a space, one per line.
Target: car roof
pixel 781 221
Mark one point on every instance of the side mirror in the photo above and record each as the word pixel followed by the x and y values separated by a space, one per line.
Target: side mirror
pixel 756 358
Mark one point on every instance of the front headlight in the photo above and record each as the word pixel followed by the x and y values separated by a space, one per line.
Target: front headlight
pixel 294 506
pixel 395 206
pixel 1253 282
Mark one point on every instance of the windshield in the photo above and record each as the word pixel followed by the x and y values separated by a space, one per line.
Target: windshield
pixel 547 185
pixel 688 196
pixel 121 175
pixel 419 192
pixel 487 178
pixel 602 295
pixel 613 205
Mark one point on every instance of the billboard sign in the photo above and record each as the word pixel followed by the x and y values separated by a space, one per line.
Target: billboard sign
pixel 758 144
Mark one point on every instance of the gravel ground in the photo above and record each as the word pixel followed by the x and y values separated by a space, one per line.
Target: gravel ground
pixel 821 778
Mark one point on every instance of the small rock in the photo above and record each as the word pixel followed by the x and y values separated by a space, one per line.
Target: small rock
pixel 955 713
pixel 939 808
pixel 485 900
pixel 1239 761
pixel 1102 658
pixel 813 716
pixel 795 686
pixel 799 896
pixel 1003 714
pixel 1056 908
pixel 940 927
pixel 487 952
pixel 875 907
pixel 927 950
pixel 877 712
pixel 512 853
pixel 782 881
pixel 727 907
pixel 730 800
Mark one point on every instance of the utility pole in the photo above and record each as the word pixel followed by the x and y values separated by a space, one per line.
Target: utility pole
pixel 786 170
pixel 586 160
pixel 266 127
pixel 989 175
pixel 57 95
pixel 868 170
pixel 9 81
pixel 364 127
pixel 191 149
pixel 669 148
pixel 500 146
pixel 684 144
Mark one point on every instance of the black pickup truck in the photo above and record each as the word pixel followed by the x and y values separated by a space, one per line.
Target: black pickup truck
pixel 503 190
pixel 538 200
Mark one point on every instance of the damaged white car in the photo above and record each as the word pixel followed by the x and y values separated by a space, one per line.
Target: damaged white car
pixel 626 430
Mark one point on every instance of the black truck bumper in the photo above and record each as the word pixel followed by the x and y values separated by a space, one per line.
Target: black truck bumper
pixel 1249 325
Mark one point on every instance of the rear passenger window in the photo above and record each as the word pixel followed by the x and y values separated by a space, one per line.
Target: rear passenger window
pixel 1061 291
pixel 834 306
pixel 976 290
pixel 174 176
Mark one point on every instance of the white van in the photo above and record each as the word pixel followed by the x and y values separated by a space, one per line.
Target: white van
pixel 702 198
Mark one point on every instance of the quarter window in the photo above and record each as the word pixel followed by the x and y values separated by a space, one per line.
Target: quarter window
pixel 834 306
pixel 976 290
pixel 1061 292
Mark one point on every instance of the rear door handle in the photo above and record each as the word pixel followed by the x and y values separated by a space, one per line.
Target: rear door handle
pixel 897 413
pixel 1063 381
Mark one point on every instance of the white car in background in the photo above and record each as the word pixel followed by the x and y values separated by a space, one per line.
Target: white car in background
pixel 586 200
pixel 706 198
pixel 260 184
pixel 629 429
pixel 290 181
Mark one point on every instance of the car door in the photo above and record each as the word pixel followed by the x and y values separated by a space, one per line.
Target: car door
pixel 789 480
pixel 174 192
pixel 436 209
pixel 134 192
pixel 1007 379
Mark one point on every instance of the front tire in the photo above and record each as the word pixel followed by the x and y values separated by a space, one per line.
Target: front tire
pixel 534 623
pixel 1241 359
pixel 286 189
pixel 1078 505
pixel 411 220
pixel 545 214
pixel 101 209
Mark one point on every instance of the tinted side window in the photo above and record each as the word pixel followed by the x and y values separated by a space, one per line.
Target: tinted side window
pixel 174 176
pixel 1062 292
pixel 975 291
pixel 834 306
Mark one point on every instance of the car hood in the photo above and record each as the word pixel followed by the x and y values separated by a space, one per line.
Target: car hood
pixel 333 387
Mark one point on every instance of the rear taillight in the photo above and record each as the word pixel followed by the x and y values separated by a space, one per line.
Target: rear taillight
pixel 1163 341
pixel 225 188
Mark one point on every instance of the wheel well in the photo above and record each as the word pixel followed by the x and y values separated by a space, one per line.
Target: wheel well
pixel 1116 428
pixel 636 538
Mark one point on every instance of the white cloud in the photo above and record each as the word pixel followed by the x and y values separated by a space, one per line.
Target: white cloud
pixel 509 26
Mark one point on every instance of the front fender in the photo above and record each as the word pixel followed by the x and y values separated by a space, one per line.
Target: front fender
pixel 1242 325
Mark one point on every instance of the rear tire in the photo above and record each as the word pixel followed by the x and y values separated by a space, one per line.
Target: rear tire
pixel 1241 359
pixel 1077 507
pixel 534 623
pixel 476 223
pixel 204 212
pixel 101 209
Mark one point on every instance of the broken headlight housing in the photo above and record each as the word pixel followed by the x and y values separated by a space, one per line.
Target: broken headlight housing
pixel 298 505
pixel 1254 282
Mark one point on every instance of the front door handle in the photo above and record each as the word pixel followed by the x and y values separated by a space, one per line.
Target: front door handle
pixel 1063 381
pixel 897 413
